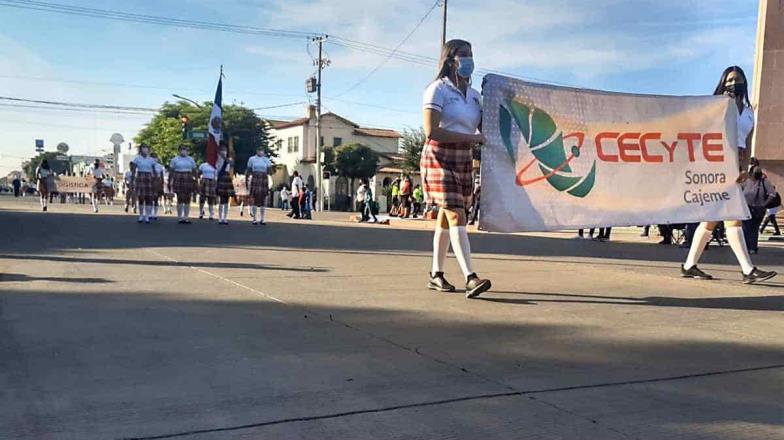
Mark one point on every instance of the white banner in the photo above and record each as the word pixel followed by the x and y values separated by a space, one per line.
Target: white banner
pixel 561 158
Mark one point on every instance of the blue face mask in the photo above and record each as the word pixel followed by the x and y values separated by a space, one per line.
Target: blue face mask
pixel 465 67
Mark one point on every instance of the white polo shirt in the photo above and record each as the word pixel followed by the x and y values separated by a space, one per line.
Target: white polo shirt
pixel 208 171
pixel 98 173
pixel 182 164
pixel 144 164
pixel 159 169
pixel 459 113
pixel 258 164
pixel 745 125
pixel 296 186
pixel 128 177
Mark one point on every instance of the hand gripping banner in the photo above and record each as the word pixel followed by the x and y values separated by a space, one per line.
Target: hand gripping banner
pixel 562 158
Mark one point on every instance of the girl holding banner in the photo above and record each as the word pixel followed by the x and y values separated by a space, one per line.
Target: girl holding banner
pixel 452 118
pixel 45 178
pixel 733 83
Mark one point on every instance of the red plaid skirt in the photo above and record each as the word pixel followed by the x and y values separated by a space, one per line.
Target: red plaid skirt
pixel 144 186
pixel 446 174
pixel 208 187
pixel 259 185
pixel 225 186
pixel 182 182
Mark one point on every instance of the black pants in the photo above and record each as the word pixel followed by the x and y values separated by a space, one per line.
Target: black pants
pixel 751 231
pixel 772 220
pixel 666 233
pixel 604 233
pixel 475 212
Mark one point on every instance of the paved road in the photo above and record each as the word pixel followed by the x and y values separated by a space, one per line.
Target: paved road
pixel 114 330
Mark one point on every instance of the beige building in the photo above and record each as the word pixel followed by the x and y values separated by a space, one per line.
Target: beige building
pixel 296 148
pixel 768 144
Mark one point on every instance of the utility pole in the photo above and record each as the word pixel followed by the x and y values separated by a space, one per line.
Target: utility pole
pixel 443 27
pixel 319 169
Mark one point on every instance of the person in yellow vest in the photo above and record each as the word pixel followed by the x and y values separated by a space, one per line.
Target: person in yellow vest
pixel 395 197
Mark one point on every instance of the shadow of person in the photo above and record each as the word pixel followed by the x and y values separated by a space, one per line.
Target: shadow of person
pixel 773 303
pixel 18 277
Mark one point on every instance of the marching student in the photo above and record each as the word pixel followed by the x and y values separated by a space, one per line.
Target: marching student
pixel 143 180
pixel 181 170
pixel 256 181
pixel 452 118
pixel 157 183
pixel 225 188
pixel 130 192
pixel 208 185
pixel 45 177
pixel 98 174
pixel 733 83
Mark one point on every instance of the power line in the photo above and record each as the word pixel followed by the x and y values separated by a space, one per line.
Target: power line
pixel 80 105
pixel 391 54
pixel 150 19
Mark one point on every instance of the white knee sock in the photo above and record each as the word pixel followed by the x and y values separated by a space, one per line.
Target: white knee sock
pixel 155 210
pixel 43 202
pixel 225 211
pixel 701 238
pixel 261 213
pixel 738 245
pixel 179 211
pixel 147 211
pixel 141 211
pixel 186 210
pixel 440 247
pixel 462 249
pixel 212 211
pixel 253 213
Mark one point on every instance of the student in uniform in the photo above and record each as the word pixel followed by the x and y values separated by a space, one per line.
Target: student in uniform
pixel 733 83
pixel 181 170
pixel 130 192
pixel 225 189
pixel 296 193
pixel 98 174
pixel 158 183
pixel 452 119
pixel 208 185
pixel 256 181
pixel 45 178
pixel 143 180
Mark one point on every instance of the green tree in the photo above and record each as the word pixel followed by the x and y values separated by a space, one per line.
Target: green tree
pixel 411 145
pixel 164 132
pixel 356 161
pixel 28 167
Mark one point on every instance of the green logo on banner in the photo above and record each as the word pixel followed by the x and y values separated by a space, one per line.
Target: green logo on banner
pixel 546 143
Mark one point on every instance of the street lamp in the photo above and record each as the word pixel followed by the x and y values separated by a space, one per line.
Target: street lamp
pixel 187 99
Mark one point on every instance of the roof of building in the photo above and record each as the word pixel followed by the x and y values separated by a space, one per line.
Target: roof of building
pixel 362 131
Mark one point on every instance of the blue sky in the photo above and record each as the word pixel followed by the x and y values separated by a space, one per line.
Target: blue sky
pixel 644 46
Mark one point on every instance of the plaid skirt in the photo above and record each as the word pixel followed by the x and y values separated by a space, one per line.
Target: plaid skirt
pixel 182 182
pixel 208 188
pixel 157 182
pixel 259 185
pixel 225 186
pixel 446 174
pixel 46 185
pixel 144 186
pixel 97 186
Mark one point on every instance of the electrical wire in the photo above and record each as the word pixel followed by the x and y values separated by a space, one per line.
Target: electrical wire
pixel 391 54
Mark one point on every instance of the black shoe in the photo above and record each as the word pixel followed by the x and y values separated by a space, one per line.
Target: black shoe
pixel 475 286
pixel 758 275
pixel 187 222
pixel 439 283
pixel 695 273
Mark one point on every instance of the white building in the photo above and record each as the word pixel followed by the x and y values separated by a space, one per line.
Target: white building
pixel 296 148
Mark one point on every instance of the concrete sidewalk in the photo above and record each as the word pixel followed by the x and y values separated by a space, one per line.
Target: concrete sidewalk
pixel 110 329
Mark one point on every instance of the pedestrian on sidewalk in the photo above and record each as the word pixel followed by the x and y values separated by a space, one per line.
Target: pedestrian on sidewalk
pixel 45 177
pixel 759 193
pixel 406 187
pixel 733 83
pixel 181 181
pixel 296 195
pixel 395 191
pixel 208 189
pixel 419 198
pixel 17 185
pixel 452 117
pixel 361 191
pixel 225 186
pixel 257 182
pixel 771 218
pixel 284 198
pixel 144 182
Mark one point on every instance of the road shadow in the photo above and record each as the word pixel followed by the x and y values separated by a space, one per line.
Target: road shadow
pixel 773 303
pixel 140 364
pixel 164 263
pixel 63 232
pixel 18 277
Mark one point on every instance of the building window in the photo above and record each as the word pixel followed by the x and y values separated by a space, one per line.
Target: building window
pixel 321 141
pixel 296 144
pixel 289 144
pixel 336 142
pixel 279 144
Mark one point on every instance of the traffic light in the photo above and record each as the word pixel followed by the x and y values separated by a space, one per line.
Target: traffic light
pixel 185 120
